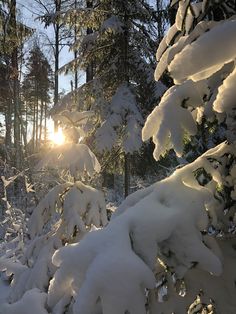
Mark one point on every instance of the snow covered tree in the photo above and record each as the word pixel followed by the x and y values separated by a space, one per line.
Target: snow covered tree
pixel 171 246
pixel 64 215
pixel 120 48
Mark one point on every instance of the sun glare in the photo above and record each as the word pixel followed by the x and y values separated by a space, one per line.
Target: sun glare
pixel 57 137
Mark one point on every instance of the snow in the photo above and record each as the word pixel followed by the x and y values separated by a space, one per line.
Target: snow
pixel 168 122
pixel 78 159
pixel 83 201
pixel 225 99
pixel 160 229
pixel 113 24
pixel 123 117
pixel 207 45
pixel 181 14
pixel 164 220
pixel 45 209
pixel 33 300
pixel 4 291
pixel 80 201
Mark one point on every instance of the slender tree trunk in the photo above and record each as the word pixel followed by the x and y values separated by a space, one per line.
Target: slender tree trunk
pixel 45 122
pixel 56 68
pixel 41 122
pixel 127 174
pixel 8 123
pixel 75 53
pixel 16 90
pixel 26 120
pixel 126 79
pixel 160 25
pixel 34 124
pixel 56 79
pixel 37 123
pixel 89 70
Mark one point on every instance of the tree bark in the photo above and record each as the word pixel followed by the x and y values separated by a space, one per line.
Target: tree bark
pixel 89 70
pixel 34 125
pixel 37 122
pixel 8 123
pixel 56 68
pixel 45 122
pixel 41 122
pixel 126 79
pixel 127 174
pixel 16 89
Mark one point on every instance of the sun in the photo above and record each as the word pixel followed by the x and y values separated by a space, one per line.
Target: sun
pixel 57 138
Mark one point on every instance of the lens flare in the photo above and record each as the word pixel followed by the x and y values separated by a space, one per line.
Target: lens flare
pixel 57 137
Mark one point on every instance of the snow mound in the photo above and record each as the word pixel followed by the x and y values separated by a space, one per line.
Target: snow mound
pixel 33 300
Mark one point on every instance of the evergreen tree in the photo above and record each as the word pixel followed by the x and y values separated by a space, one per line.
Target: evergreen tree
pixel 12 36
pixel 117 44
pixel 37 86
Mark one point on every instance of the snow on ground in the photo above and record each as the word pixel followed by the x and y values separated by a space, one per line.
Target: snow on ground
pixel 4 290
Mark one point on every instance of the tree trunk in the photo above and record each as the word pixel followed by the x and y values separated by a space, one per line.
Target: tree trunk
pixel 126 79
pixel 75 54
pixel 41 123
pixel 16 90
pixel 26 119
pixel 160 22
pixel 34 124
pixel 89 70
pixel 127 174
pixel 37 123
pixel 45 122
pixel 8 122
pixel 56 68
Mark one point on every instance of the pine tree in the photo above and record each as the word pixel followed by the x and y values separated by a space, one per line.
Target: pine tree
pixel 117 45
pixel 12 37
pixel 37 86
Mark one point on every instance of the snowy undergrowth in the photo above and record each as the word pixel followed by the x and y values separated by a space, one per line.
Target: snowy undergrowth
pixel 64 215
pixel 165 220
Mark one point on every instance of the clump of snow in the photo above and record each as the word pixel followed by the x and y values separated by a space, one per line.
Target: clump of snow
pixel 33 300
pixel 166 52
pixel 181 14
pixel 79 205
pixel 124 117
pixel 83 201
pixel 78 159
pixel 113 24
pixel 225 99
pixel 169 122
pixel 207 45
pixel 45 209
